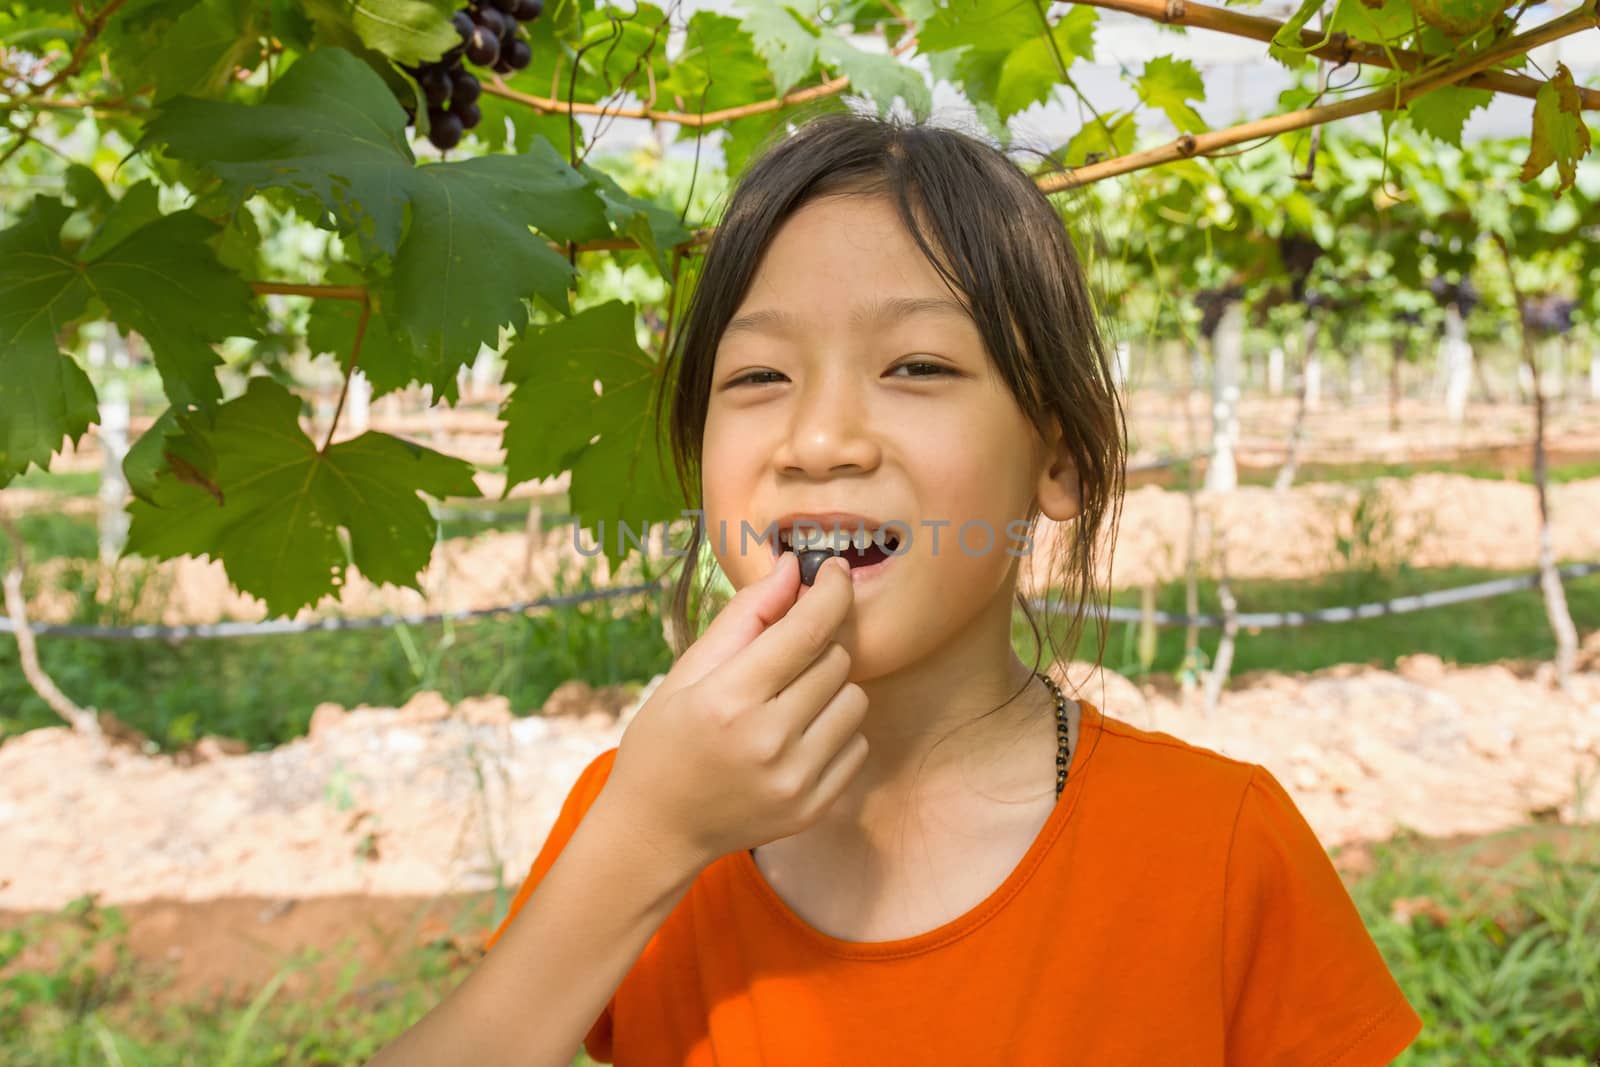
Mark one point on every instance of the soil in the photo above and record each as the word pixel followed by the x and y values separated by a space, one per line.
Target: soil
pixel 396 826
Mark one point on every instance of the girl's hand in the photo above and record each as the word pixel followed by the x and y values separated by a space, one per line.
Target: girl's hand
pixel 754 733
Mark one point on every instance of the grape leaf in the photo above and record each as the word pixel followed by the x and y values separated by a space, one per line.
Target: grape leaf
pixel 717 68
pixel 1379 23
pixel 1285 46
pixel 283 502
pixel 621 471
pixel 199 52
pixel 44 394
pixel 998 50
pixel 877 76
pixel 330 130
pixel 408 31
pixel 1559 135
pixel 786 38
pixel 1170 84
pixel 1443 112
pixel 388 358
pixel 655 228
pixel 1112 135
pixel 1459 18
pixel 156 275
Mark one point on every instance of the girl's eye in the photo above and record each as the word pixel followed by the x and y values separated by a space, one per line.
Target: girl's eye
pixel 937 368
pixel 763 377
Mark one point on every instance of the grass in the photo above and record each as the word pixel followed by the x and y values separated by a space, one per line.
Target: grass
pixel 262 690
pixel 1503 966
pixel 1480 631
pixel 1176 476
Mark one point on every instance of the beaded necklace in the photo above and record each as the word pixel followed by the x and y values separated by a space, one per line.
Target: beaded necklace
pixel 1063 749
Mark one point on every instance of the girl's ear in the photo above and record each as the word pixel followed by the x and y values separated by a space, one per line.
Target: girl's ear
pixel 1060 495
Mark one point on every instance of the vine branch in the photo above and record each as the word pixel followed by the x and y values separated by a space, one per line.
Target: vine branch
pixel 1191 145
pixel 1338 47
pixel 349 371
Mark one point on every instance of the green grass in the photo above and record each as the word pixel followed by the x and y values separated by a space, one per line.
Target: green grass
pixel 1480 631
pixel 262 690
pixel 1507 972
pixel 1176 476
pixel 67 483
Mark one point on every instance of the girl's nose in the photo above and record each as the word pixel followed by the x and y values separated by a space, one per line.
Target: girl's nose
pixel 829 430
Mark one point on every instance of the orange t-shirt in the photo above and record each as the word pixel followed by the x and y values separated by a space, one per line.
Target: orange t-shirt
pixel 1176 908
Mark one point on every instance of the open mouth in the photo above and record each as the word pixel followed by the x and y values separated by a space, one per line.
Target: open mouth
pixel 857 551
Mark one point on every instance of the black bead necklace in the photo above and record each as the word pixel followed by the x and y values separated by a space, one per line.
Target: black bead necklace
pixel 1063 748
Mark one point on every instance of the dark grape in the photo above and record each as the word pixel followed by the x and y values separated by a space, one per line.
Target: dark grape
pixel 435 83
pixel 493 21
pixel 528 10
pixel 507 6
pixel 483 47
pixel 463 23
pixel 811 561
pixel 518 55
pixel 468 113
pixel 465 88
pixel 445 131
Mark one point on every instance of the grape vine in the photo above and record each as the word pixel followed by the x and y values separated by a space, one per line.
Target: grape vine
pixel 159 158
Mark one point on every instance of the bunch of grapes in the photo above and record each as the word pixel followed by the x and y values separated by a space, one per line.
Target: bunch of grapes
pixel 490 37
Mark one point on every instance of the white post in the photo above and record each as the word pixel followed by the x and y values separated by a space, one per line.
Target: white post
pixel 1594 374
pixel 485 370
pixel 1227 348
pixel 1313 380
pixel 360 402
pixel 108 354
pixel 1119 365
pixel 1456 358
pixel 1275 371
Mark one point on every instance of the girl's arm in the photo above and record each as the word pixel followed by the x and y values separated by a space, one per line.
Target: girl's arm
pixel 532 1000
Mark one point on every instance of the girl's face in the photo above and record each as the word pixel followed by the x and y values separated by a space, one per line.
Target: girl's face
pixel 851 380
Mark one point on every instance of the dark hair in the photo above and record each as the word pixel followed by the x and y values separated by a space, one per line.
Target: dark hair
pixel 996 239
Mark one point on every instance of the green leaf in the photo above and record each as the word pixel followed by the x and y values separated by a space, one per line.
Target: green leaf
pixel 199 53
pixel 655 228
pixel 1378 22
pixel 611 443
pixel 787 39
pixel 411 32
pixel 283 502
pixel 1559 135
pixel 1286 47
pixel 44 394
pixel 717 68
pixel 998 50
pixel 163 282
pixel 464 260
pixel 1112 136
pixel 388 358
pixel 1170 84
pixel 1460 18
pixel 879 77
pixel 1442 113
pixel 157 276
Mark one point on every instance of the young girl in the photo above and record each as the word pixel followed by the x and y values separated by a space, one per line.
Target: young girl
pixel 851 826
